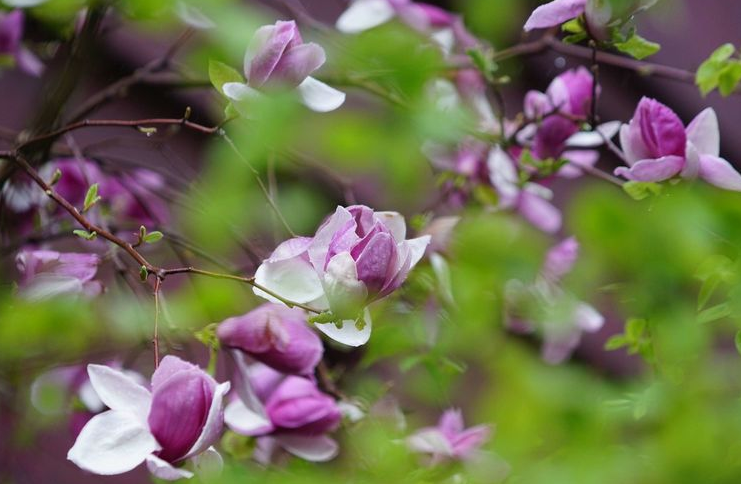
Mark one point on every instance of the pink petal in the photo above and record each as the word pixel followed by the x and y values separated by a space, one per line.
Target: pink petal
pixel 314 449
pixel 560 259
pixel 297 63
pixel 653 170
pixel 719 172
pixel 704 133
pixel 539 212
pixel 554 13
pixel 266 49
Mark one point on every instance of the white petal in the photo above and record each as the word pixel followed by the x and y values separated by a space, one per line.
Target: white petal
pixel 365 14
pixel 244 421
pixel 239 91
pixel 430 441
pixel 315 449
pixel 691 162
pixel 119 391
pixel 587 318
pixel 214 422
pixel 704 133
pixel 349 334
pixel 445 38
pixel 351 411
pixel 344 291
pixel 503 173
pixel 90 398
pixel 164 470
pixel 293 279
pixel 590 139
pixel 417 248
pixel 112 443
pixel 394 221
pixel 320 97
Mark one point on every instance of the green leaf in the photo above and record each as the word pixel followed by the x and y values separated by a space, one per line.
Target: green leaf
pixel 220 73
pixel 143 273
pixel 573 26
pixel 635 328
pixel 153 237
pixel 640 190
pixel 616 342
pixel 729 78
pixel 706 291
pixel 84 234
pixel 91 197
pixel 737 340
pixel 714 313
pixel 638 47
pixel 575 38
pixel 484 63
pixel 708 74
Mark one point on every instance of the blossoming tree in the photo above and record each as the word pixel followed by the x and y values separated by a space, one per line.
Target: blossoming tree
pixel 362 221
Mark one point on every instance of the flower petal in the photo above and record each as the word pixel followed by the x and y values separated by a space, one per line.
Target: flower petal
pixel 394 221
pixel 118 391
pixel 164 470
pixel 294 279
pixel 650 170
pixel 587 318
pixel 214 422
pixel 539 212
pixel 266 49
pixel 239 91
pixel 245 421
pixel 719 172
pixel 112 443
pixel 429 441
pixel 365 14
pixel 704 133
pixel 312 448
pixel 320 97
pixel 592 139
pixel 554 13
pixel 577 159
pixel 345 292
pixel 208 464
pixel 297 63
pixel 349 334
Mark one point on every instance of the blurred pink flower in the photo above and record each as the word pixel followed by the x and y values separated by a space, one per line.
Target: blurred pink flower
pixel 11 33
pixel 449 439
pixel 46 274
pixel 282 411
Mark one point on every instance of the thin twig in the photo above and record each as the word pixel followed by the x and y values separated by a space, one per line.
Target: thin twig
pixel 156 337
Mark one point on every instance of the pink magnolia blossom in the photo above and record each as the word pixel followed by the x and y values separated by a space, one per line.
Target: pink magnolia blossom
pixel 356 257
pixel 658 147
pixel 276 58
pixel 179 419
pixel 46 274
pixel 531 200
pixel 11 33
pixel 562 318
pixel 449 440
pixel 599 14
pixel 130 195
pixel 282 411
pixel 558 135
pixel 276 336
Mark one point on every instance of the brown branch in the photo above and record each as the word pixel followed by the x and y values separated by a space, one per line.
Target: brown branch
pixel 119 87
pixel 122 123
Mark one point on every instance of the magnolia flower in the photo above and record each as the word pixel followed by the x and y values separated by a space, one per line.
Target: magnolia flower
pixel 558 135
pixel 531 200
pixel 46 274
pixel 356 257
pixel 449 439
pixel 365 14
pixel 562 318
pixel 178 420
pixel 282 411
pixel 11 33
pixel 129 194
pixel 277 57
pixel 276 336
pixel 657 147
pixel 599 14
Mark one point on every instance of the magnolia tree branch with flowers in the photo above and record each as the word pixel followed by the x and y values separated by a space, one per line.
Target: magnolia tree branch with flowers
pixel 372 240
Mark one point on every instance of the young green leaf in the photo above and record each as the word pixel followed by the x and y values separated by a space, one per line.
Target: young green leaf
pixel 220 73
pixel 640 190
pixel 91 197
pixel 153 237
pixel 638 47
pixel 84 234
